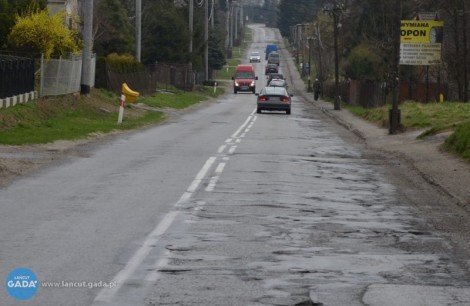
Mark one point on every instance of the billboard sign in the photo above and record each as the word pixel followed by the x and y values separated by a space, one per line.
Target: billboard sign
pixel 420 42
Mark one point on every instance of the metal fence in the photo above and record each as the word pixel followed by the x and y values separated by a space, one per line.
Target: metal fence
pixel 16 75
pixel 63 75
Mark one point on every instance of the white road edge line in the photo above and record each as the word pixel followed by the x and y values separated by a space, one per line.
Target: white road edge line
pixel 107 294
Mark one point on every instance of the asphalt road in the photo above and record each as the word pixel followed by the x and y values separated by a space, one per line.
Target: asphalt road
pixel 223 206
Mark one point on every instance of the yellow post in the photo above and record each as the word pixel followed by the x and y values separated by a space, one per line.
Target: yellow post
pixel 441 98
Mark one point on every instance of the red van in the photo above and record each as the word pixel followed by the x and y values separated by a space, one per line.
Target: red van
pixel 244 78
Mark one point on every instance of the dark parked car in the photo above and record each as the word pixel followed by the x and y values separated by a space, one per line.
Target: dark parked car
pixel 273 99
pixel 271 68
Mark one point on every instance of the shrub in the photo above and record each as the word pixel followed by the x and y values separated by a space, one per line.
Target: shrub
pixel 41 33
pixel 123 63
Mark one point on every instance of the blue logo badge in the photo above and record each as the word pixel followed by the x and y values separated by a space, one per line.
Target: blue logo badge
pixel 22 283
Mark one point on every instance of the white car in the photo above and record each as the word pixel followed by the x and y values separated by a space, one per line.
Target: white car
pixel 255 57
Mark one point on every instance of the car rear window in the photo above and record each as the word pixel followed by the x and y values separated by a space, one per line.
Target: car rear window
pixel 275 90
pixel 276 82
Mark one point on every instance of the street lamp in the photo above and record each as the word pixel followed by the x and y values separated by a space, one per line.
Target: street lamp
pixel 334 10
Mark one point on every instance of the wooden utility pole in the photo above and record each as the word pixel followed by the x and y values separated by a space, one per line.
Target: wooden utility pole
pixel 465 57
pixel 206 40
pixel 337 101
pixel 191 26
pixel 394 113
pixel 138 27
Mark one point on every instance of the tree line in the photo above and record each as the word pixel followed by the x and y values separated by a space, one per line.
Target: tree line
pixel 366 39
pixel 365 30
pixel 165 30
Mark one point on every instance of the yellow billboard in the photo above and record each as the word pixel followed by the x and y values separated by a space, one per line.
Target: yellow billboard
pixel 421 31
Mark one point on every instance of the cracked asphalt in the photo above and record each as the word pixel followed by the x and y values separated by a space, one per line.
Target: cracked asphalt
pixel 315 208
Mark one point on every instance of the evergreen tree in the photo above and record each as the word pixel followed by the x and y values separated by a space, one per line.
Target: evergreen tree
pixel 292 12
pixel 165 33
pixel 113 30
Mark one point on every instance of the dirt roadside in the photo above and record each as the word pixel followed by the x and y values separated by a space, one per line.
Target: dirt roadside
pixel 18 161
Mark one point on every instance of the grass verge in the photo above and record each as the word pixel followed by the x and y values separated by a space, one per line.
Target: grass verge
pixel 459 141
pixel 71 117
pixel 433 118
pixel 180 99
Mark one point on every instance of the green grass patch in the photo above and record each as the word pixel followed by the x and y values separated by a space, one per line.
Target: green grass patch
pixel 67 117
pixel 435 117
pixel 227 72
pixel 71 117
pixel 181 99
pixel 459 141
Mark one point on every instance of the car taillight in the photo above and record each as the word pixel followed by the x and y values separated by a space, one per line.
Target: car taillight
pixel 263 98
pixel 284 99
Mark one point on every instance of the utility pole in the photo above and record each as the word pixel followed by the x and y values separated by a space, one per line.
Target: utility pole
pixel 87 10
pixel 465 59
pixel 235 18
pixel 227 27
pixel 320 62
pixel 309 39
pixel 206 40
pixel 242 22
pixel 337 101
pixel 394 113
pixel 231 26
pixel 302 43
pixel 191 26
pixel 334 10
pixel 138 27
pixel 212 14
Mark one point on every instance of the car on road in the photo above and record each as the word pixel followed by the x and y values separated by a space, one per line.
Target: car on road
pixel 271 68
pixel 274 58
pixel 270 48
pixel 255 57
pixel 274 76
pixel 244 78
pixel 272 98
pixel 278 83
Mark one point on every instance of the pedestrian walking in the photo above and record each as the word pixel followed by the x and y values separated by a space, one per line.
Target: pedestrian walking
pixel 316 89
